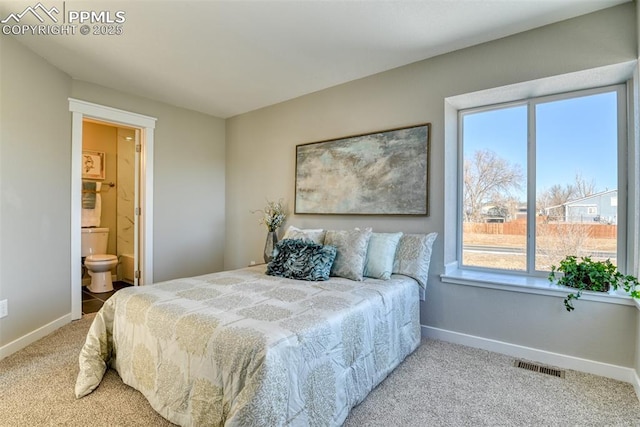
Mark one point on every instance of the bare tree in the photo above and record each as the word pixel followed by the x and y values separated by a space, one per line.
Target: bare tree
pixel 487 179
pixel 552 201
pixel 583 187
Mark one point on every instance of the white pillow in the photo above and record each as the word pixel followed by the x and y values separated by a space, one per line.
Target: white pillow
pixel 381 254
pixel 413 256
pixel 308 235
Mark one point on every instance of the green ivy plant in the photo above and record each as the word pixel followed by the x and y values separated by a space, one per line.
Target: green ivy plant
pixel 588 275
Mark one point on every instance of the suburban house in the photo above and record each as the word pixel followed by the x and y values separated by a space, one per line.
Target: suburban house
pixel 599 207
pixel 208 173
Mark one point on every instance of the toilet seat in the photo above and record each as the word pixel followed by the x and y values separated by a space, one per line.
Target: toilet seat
pixel 100 258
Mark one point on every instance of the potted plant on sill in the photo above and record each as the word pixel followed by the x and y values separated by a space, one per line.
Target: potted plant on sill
pixel 588 275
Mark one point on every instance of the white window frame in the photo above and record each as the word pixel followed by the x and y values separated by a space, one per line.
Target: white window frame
pixel 627 74
pixel 531 104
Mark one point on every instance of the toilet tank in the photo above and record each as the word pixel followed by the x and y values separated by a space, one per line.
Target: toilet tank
pixel 94 241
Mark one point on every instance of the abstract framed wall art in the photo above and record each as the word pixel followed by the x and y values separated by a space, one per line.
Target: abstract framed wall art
pixel 93 165
pixel 381 173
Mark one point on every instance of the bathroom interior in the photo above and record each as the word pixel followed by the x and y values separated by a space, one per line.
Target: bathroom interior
pixel 108 211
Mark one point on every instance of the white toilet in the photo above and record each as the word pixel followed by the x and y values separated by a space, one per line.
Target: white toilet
pixel 96 260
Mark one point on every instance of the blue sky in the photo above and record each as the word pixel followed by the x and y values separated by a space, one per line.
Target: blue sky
pixel 574 136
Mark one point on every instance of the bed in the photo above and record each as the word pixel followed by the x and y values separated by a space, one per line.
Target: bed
pixel 243 348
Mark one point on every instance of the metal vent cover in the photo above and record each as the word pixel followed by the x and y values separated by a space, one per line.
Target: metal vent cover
pixel 539 368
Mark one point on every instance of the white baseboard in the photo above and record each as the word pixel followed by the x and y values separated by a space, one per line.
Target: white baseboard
pixel 620 373
pixel 636 384
pixel 34 336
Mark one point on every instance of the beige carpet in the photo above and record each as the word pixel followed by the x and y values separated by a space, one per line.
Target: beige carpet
pixel 441 384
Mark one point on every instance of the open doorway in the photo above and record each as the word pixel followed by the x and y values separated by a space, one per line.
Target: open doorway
pixel 111 193
pixel 141 128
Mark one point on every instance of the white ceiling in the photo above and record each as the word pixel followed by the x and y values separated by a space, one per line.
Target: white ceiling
pixel 228 57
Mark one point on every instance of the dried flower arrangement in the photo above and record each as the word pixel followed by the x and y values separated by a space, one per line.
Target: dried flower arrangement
pixel 273 215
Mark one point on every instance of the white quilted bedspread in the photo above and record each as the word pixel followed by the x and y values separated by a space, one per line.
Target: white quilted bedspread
pixel 240 348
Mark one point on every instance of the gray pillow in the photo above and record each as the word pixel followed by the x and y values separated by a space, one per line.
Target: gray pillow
pixel 351 253
pixel 297 259
pixel 413 256
pixel 306 234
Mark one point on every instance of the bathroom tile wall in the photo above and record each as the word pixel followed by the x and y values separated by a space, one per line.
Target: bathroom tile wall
pixel 125 194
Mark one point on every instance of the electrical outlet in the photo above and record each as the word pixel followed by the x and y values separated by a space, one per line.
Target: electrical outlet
pixel 4 308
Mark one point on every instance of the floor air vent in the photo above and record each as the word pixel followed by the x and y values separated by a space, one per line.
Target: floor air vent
pixel 538 368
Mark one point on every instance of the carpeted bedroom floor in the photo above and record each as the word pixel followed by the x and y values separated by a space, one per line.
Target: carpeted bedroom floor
pixel 441 384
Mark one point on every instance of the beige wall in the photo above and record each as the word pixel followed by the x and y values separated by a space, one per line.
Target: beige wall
pixel 35 174
pixel 35 171
pixel 189 183
pixel 261 162
pixel 636 133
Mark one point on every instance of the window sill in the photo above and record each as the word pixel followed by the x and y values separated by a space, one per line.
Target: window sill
pixel 529 285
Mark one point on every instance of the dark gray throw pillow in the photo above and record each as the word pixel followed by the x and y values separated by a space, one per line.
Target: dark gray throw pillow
pixel 297 259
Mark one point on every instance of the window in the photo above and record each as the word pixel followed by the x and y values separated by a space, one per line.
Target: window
pixel 541 179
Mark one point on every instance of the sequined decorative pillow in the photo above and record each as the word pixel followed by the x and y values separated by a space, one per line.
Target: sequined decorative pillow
pixel 306 234
pixel 413 256
pixel 351 253
pixel 297 259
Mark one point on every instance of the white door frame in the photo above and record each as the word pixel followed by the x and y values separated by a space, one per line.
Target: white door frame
pixel 80 110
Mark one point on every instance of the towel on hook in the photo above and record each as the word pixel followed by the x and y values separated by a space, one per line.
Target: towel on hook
pixel 89 194
pixel 91 216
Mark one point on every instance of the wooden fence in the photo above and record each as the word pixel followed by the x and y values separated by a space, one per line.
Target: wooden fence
pixel 596 231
